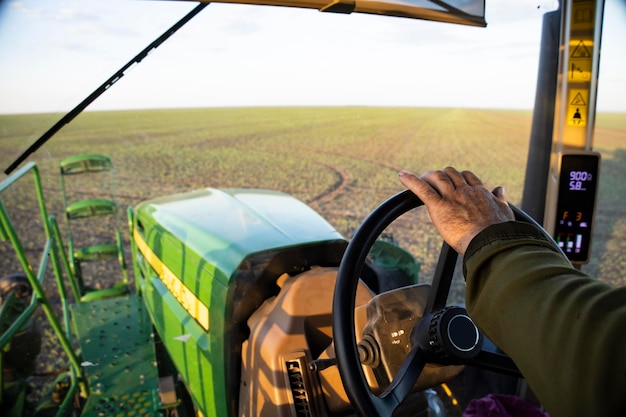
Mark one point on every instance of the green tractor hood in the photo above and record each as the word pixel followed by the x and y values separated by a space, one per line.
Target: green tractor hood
pixel 223 227
pixel 205 260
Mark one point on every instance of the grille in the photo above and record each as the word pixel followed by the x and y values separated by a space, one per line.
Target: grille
pixel 298 389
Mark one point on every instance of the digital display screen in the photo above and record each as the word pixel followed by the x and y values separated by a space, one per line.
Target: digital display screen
pixel 578 179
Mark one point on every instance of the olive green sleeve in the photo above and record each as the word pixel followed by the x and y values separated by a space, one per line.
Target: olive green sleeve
pixel 565 331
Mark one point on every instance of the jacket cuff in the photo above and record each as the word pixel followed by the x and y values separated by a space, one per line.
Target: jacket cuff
pixel 507 234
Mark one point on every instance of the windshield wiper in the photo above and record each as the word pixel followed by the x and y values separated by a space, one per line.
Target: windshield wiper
pixel 105 86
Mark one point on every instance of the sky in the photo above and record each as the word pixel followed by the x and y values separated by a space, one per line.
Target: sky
pixel 54 53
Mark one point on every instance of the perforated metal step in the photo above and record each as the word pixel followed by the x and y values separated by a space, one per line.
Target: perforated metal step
pixel 116 341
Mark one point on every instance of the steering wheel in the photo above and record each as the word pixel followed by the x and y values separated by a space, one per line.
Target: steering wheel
pixel 445 335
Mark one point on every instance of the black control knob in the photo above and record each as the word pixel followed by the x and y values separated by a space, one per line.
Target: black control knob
pixel 448 336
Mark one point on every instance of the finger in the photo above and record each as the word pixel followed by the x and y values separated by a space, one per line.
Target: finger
pixel 419 187
pixel 440 181
pixel 499 193
pixel 456 178
pixel 471 178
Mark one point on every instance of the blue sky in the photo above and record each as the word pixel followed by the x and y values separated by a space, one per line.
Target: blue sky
pixel 53 53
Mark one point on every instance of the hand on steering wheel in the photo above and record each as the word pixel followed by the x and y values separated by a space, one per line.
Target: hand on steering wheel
pixel 444 335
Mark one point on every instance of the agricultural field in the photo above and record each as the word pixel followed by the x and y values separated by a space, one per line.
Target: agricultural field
pixel 342 161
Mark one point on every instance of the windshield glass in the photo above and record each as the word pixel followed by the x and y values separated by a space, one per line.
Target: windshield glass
pixel 322 106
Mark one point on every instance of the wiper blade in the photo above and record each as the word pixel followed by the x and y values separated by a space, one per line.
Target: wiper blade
pixel 105 86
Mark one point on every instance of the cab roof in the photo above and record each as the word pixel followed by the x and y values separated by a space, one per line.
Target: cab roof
pixel 465 12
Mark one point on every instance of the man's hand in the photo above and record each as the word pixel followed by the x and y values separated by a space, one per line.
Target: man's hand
pixel 459 204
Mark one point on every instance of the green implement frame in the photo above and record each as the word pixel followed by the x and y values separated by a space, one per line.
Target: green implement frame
pixel 98 209
pixel 109 341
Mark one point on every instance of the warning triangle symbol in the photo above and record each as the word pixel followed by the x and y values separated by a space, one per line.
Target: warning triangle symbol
pixel 580 51
pixel 578 100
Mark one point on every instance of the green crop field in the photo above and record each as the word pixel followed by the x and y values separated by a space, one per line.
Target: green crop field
pixel 342 161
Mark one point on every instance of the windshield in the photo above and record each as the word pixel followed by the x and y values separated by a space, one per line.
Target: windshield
pixel 322 106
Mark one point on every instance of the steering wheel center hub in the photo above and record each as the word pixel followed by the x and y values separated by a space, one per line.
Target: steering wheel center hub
pixel 448 336
pixel 462 333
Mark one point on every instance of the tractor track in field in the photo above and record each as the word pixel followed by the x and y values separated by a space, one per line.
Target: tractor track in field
pixel 343 181
pixel 344 178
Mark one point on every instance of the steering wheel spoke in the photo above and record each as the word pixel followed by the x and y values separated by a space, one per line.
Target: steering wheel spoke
pixel 406 377
pixel 440 286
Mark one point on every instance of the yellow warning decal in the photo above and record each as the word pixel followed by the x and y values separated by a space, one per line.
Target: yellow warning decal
pixel 577 109
pixel 183 295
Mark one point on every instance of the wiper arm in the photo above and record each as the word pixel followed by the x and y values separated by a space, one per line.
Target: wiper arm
pixel 105 86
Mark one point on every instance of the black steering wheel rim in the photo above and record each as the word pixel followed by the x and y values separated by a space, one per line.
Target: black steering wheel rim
pixel 364 401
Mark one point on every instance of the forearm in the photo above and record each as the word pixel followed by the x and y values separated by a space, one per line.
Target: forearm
pixel 564 331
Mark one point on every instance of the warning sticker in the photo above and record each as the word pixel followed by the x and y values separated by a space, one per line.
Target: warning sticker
pixel 583 14
pixel 578 100
pixel 581 48
pixel 577 107
pixel 579 70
